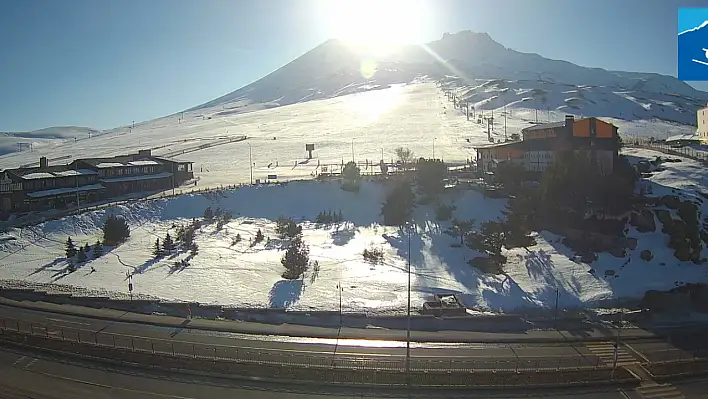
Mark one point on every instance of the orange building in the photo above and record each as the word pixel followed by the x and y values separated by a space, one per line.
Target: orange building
pixel 542 143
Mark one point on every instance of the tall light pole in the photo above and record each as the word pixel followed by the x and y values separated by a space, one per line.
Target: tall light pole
pixel 340 289
pixel 408 323
pixel 250 161
pixel 504 122
pixel 173 178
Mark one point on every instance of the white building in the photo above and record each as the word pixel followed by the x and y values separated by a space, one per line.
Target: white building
pixel 702 117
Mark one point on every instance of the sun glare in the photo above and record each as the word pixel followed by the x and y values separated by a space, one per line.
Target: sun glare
pixel 372 26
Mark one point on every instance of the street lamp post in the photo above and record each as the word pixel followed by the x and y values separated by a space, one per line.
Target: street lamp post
pixel 250 161
pixel 408 322
pixel 340 289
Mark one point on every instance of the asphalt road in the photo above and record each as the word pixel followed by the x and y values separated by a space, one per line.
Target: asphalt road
pixel 192 342
pixel 347 353
pixel 23 375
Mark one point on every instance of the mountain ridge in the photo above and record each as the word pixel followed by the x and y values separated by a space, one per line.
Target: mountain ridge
pixel 332 69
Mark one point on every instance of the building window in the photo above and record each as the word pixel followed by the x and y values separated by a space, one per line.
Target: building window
pixel 180 168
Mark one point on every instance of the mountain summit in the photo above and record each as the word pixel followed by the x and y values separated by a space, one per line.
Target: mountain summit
pixel 333 69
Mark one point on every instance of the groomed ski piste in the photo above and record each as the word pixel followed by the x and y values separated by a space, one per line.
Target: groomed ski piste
pixel 359 126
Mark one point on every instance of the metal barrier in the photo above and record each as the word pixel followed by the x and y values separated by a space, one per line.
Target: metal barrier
pixel 687 152
pixel 298 358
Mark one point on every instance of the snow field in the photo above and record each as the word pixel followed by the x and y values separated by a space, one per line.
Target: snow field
pixel 240 275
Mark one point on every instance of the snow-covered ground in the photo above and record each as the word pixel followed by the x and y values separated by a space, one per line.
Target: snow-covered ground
pixel 416 116
pixel 250 276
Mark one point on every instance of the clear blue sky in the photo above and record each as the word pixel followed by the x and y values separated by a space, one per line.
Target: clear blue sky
pixel 103 64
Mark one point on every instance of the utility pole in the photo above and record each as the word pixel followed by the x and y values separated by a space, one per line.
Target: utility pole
pixel 340 289
pixel 250 161
pixel 505 123
pixel 408 328
pixel 76 169
pixel 173 178
pixel 555 316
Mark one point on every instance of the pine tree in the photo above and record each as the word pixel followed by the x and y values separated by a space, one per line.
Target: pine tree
pixel 296 259
pixel 187 239
pixel 259 236
pixel 167 244
pixel 70 248
pixel 156 249
pixel 97 250
pixel 208 213
pixel 115 230
pixel 81 255
pixel 397 207
pixel 180 234
pixel 194 248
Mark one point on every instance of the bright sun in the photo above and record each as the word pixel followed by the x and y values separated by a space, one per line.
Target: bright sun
pixel 372 25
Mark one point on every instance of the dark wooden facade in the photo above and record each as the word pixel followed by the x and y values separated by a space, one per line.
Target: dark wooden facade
pixel 87 180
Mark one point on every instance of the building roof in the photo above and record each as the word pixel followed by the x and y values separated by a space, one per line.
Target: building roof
pixel 137 178
pixel 143 162
pixel 67 190
pixel 102 165
pixel 683 137
pixel 50 172
pixel 76 172
pixel 38 175
pixel 552 125
pixel 499 145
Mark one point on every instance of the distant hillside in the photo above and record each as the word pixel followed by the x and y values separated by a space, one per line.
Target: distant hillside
pixel 21 141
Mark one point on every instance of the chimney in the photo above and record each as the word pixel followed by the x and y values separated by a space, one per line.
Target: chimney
pixel 43 162
pixel 145 153
pixel 569 119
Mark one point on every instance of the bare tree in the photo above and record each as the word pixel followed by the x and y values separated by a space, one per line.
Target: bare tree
pixel 405 156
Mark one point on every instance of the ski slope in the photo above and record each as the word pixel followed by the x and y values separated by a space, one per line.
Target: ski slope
pixel 360 126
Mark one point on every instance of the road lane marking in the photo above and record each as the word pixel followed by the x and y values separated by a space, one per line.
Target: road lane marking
pixel 68 321
pixel 605 351
pixel 95 384
pixel 18 360
pixel 663 391
pixel 28 365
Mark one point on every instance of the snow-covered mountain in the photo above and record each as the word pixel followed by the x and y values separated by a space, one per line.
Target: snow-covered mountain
pixel 14 141
pixel 472 60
